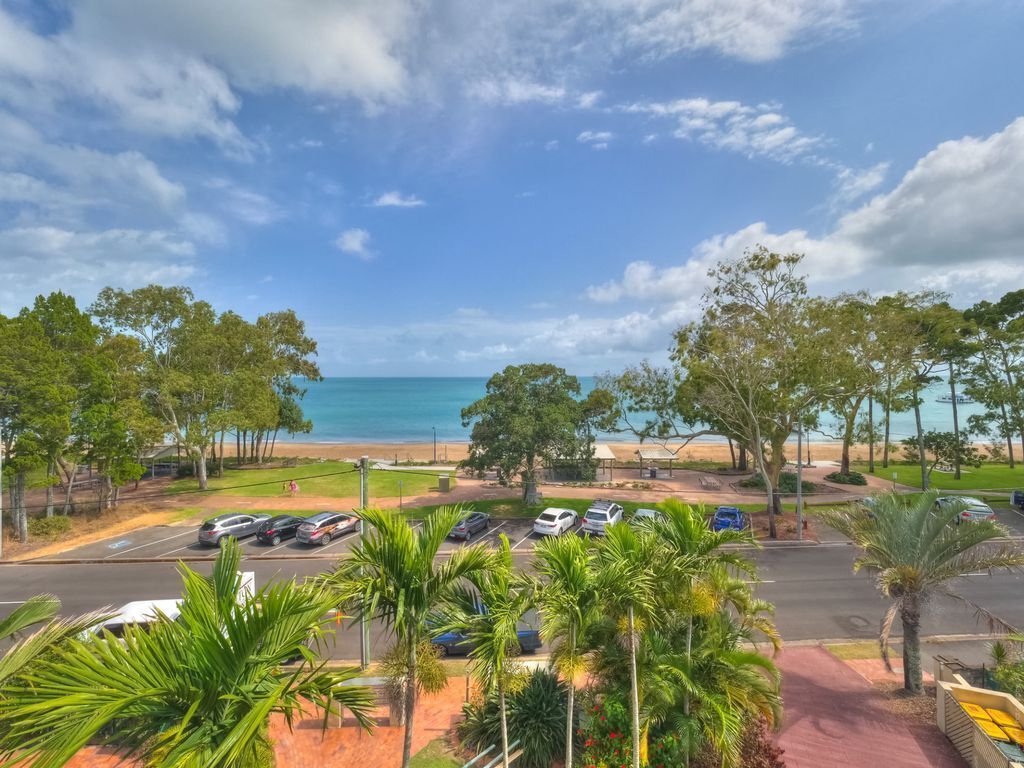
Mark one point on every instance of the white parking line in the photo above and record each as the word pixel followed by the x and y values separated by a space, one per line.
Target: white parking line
pixel 496 528
pixel 190 532
pixel 282 544
pixel 522 540
pixel 341 539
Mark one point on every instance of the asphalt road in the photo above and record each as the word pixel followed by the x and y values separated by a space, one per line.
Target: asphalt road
pixel 814 589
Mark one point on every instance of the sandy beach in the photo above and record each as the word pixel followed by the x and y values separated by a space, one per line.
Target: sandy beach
pixel 452 452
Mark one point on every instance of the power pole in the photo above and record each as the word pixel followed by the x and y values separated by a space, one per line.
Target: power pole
pixel 364 620
pixel 799 482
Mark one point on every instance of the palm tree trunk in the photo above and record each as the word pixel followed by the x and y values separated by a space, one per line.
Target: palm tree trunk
pixel 910 615
pixel 504 725
pixel 569 705
pixel 410 704
pixel 634 690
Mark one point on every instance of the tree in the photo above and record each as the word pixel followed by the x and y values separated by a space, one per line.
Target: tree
pixel 570 606
pixel 626 579
pixel 947 449
pixel 755 361
pixel 197 691
pixel 488 609
pixel 394 576
pixel 915 548
pixel 531 416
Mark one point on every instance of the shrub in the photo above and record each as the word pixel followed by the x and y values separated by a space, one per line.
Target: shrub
pixel 49 527
pixel 536 716
pixel 787 483
pixel 757 750
pixel 606 738
pixel 851 478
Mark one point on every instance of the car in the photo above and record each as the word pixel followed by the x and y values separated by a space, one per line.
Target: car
pixel 322 527
pixel 600 515
pixel 728 518
pixel 458 644
pixel 643 515
pixel 973 509
pixel 278 528
pixel 1017 499
pixel 232 525
pixel 474 522
pixel 138 613
pixel 554 521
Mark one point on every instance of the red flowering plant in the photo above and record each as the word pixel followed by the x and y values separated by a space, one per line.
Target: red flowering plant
pixel 606 741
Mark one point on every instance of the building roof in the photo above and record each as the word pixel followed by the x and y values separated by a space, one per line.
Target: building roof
pixel 655 453
pixel 603 452
pixel 156 452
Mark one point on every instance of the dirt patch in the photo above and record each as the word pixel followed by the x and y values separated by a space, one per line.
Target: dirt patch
pixel 916 709
pixel 785 526
pixel 126 518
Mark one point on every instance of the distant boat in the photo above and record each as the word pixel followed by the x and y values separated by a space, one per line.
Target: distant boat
pixel 960 399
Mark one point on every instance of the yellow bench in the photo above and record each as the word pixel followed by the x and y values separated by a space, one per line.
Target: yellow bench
pixel 1016 736
pixel 992 730
pixel 976 711
pixel 999 717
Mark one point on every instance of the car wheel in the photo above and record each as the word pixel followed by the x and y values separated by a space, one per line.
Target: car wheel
pixel 275 541
pixel 469 536
pixel 325 540
pixel 530 651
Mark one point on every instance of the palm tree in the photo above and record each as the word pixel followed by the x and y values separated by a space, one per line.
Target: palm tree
pixel 488 611
pixel 570 605
pixel 626 579
pixel 37 610
pixel 191 693
pixel 916 548
pixel 394 576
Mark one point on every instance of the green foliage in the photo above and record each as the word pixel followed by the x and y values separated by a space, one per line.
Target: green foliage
pixel 435 755
pixel 536 717
pixel 787 483
pixel 195 692
pixel 532 416
pixel 49 527
pixel 943 449
pixel 606 739
pixel 850 478
pixel 757 750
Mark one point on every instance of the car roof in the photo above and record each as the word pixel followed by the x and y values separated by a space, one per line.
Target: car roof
pixel 284 517
pixel 559 510
pixel 602 505
pixel 144 610
pixel 224 516
pixel 319 517
pixel 729 510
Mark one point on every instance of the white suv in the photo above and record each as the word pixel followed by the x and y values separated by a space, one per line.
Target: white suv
pixel 600 515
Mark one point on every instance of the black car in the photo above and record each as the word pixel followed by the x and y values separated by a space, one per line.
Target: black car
pixel 472 523
pixel 457 644
pixel 277 529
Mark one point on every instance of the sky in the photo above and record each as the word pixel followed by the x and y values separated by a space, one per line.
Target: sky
pixel 444 188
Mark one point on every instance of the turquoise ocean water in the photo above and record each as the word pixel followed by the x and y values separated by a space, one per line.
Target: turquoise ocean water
pixel 405 410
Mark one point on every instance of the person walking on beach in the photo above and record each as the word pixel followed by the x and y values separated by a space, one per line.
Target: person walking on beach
pixel 293 487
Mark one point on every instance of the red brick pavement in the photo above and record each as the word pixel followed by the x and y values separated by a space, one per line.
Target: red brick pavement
pixel 834 718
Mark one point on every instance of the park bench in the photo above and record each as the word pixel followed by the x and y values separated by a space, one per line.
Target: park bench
pixel 710 483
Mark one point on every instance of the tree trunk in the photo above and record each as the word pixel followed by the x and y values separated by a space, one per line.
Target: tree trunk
pixel 1008 431
pixel 257 450
pixel 238 448
pixel 743 460
pixel 871 434
pixel 20 513
pixel 1014 407
pixel 200 465
pixel 273 443
pixel 844 464
pixel 956 422
pixel 504 725
pixel 770 490
pixel 67 494
pixel 220 469
pixel 732 452
pixel 634 690
pixel 911 618
pixel 888 415
pixel 920 442
pixel 49 489
pixel 410 705
pixel 570 702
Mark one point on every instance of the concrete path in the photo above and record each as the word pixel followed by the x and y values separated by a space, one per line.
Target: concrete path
pixel 834 717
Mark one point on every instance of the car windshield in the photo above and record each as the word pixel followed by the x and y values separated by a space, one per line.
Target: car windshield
pixel 546 517
pixel 729 513
pixel 208 526
pixel 597 517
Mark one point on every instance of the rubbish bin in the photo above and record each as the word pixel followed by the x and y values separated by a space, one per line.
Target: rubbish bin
pixel 444 483
pixel 653 473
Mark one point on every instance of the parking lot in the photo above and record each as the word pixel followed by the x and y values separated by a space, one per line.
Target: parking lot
pixel 180 542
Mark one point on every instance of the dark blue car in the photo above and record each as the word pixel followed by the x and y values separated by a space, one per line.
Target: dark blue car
pixel 728 518
pixel 457 644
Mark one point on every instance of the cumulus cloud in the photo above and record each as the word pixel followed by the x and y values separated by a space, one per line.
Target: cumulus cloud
pixel 852 184
pixel 245 204
pixel 596 139
pixel 513 90
pixel 955 221
pixel 396 199
pixel 355 242
pixel 588 99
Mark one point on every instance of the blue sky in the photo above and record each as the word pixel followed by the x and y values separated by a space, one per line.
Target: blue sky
pixel 444 188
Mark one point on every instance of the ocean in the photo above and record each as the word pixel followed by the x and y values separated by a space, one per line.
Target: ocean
pixel 408 410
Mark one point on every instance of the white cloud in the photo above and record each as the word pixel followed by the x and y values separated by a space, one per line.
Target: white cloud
pixel 589 99
pixel 396 199
pixel 755 131
pixel 551 145
pixel 310 143
pixel 596 139
pixel 245 204
pixel 355 242
pixel 851 184
pixel 955 221
pixel 513 91
pixel 422 356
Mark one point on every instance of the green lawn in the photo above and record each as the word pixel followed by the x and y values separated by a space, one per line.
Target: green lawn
pixel 987 476
pixel 331 478
pixel 435 755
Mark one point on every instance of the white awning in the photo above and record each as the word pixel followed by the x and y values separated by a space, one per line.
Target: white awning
pixel 603 452
pixel 157 452
pixel 658 453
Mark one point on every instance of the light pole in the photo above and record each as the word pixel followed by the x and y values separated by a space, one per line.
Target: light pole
pixel 435 443
pixel 799 481
pixel 364 621
pixel 1 494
